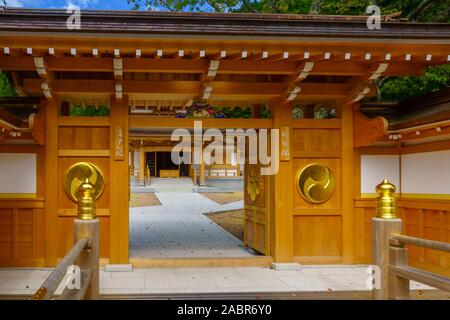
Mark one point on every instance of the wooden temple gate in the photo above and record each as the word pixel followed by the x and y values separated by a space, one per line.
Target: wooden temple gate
pixel 279 69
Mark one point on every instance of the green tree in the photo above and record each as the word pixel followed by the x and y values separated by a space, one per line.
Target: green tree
pixel 403 88
pixel 6 89
pixel 414 10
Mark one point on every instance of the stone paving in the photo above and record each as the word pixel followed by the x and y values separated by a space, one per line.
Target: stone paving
pixel 206 280
pixel 178 229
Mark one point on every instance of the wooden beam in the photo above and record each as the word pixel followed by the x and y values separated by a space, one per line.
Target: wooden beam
pixel 164 65
pixel 366 131
pixel 247 66
pixel 235 90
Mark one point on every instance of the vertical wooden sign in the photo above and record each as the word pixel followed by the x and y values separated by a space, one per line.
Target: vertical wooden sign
pixel 285 145
pixel 119 150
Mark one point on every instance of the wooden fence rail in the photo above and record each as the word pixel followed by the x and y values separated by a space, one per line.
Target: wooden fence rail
pixel 436 245
pixel 53 281
pixel 390 255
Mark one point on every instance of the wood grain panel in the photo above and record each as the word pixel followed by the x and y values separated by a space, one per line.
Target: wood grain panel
pixel 83 138
pixel 257 219
pixel 318 143
pixel 317 236
pixel 21 236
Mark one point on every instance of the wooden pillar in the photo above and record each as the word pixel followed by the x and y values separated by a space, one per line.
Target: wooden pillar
pixel 382 231
pixel 141 167
pixel 348 178
pixel 132 162
pixel 202 180
pixel 283 223
pixel 51 180
pixel 398 286
pixel 119 182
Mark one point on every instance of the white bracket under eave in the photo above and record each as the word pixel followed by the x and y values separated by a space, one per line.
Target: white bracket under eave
pixel 292 93
pixel 41 68
pixel 304 73
pixel 213 68
pixel 207 90
pixel 361 94
pixel 119 90
pixel 382 67
pixel 46 90
pixel 118 69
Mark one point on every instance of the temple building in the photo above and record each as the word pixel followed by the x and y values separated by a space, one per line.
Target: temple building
pixel 112 93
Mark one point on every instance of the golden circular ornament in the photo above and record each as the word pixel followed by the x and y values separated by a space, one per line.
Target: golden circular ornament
pixel 316 183
pixel 79 174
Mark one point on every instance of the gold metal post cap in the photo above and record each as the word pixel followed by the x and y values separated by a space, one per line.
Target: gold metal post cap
pixel 386 202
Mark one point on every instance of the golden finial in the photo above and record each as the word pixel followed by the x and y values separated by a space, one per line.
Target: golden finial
pixel 386 203
pixel 86 201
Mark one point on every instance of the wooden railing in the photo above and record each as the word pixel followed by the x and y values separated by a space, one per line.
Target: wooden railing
pixel 399 273
pixel 222 171
pixel 390 255
pixel 81 263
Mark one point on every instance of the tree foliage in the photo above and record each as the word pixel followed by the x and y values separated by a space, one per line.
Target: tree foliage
pixel 6 89
pixel 403 88
pixel 414 10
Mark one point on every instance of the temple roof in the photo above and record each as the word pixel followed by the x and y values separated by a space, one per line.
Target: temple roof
pixel 235 24
pixel 430 108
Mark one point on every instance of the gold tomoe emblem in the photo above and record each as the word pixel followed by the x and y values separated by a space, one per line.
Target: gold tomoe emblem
pixel 79 174
pixel 316 183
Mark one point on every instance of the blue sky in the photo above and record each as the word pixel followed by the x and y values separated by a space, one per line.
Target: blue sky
pixel 84 4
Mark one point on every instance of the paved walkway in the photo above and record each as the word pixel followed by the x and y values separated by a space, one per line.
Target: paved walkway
pixel 206 280
pixel 178 229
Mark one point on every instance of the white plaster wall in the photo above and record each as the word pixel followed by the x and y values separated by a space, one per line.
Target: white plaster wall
pixel 375 168
pixel 18 173
pixel 426 173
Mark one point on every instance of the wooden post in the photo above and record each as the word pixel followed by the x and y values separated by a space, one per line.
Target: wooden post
pixel 398 286
pixel 194 175
pixel 382 231
pixel 132 162
pixel 50 107
pixel 282 218
pixel 384 226
pixel 89 258
pixel 202 179
pixel 141 167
